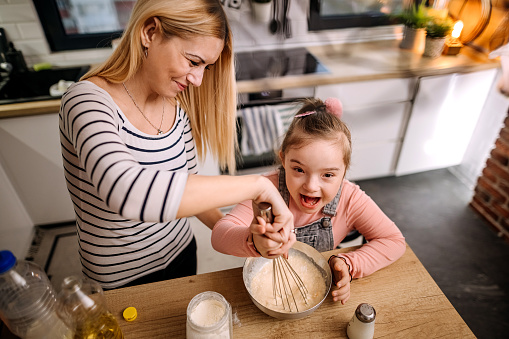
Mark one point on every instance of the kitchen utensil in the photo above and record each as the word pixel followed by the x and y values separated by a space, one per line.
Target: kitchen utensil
pixel 285 281
pixel 275 25
pixel 252 266
pixel 286 19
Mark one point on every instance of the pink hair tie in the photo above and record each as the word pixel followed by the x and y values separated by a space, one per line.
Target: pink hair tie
pixel 334 106
pixel 305 114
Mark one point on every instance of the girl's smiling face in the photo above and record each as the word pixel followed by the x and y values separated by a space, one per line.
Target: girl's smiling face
pixel 314 173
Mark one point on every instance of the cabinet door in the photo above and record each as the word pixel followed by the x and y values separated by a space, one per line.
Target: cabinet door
pixel 443 118
pixel 375 112
pixel 30 155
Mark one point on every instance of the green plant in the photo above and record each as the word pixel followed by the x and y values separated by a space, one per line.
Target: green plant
pixel 415 16
pixel 438 28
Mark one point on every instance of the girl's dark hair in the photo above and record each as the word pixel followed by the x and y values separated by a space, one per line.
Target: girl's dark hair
pixel 319 125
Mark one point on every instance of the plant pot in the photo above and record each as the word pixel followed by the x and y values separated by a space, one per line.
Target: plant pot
pixel 433 47
pixel 413 39
pixel 262 11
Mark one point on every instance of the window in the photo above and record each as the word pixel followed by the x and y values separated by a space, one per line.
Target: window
pixel 334 14
pixel 82 24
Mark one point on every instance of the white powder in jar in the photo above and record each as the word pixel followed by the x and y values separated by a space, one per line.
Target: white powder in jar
pixel 207 312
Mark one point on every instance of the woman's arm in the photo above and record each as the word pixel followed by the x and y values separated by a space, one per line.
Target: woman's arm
pixel 205 192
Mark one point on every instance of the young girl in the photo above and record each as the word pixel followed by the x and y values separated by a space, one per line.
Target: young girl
pixel 315 155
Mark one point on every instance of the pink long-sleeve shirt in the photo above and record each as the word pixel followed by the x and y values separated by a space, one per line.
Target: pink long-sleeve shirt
pixel 356 210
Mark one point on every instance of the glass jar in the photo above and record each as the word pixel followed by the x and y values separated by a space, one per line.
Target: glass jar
pixel 209 315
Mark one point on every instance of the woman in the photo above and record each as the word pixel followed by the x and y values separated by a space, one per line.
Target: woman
pixel 131 132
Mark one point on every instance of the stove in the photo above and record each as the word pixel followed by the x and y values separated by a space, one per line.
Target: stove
pixel 276 63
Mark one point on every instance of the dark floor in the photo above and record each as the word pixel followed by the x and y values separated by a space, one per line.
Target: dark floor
pixel 458 248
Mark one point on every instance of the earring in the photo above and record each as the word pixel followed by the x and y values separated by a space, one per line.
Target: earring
pixel 146 52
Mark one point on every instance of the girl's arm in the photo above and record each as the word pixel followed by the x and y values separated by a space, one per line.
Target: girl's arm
pixel 210 217
pixel 385 244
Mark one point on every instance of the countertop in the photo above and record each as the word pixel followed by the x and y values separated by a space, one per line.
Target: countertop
pixel 345 62
pixel 408 304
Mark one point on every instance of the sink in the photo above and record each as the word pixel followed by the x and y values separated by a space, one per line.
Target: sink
pixel 34 86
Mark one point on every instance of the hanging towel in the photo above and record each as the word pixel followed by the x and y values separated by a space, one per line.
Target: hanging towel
pixel 261 131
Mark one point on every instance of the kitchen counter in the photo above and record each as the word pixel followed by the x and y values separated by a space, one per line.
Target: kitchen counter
pixel 346 63
pixel 408 304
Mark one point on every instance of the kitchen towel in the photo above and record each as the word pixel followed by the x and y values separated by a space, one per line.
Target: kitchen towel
pixel 261 131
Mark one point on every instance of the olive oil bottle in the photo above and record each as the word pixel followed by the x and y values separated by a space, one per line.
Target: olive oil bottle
pixel 83 307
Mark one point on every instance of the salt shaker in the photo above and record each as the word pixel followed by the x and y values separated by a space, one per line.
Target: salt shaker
pixel 209 316
pixel 362 324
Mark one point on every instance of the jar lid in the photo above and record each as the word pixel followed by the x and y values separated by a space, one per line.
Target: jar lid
pixel 365 313
pixel 7 261
pixel 130 314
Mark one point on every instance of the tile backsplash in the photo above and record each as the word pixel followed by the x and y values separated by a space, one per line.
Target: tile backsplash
pixel 20 20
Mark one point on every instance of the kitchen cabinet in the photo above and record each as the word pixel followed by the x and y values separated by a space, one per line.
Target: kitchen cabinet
pixel 31 159
pixel 376 113
pixel 444 115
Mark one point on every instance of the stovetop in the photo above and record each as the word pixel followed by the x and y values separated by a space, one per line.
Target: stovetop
pixel 276 63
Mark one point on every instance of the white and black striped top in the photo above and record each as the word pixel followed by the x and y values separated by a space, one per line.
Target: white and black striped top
pixel 125 185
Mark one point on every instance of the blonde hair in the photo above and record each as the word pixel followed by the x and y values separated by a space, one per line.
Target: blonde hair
pixel 212 106
pixel 321 124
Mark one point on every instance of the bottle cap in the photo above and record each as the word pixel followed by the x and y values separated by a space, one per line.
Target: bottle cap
pixel 130 313
pixel 365 313
pixel 7 260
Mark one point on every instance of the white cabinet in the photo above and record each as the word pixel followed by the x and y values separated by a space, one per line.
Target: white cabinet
pixel 376 113
pixel 31 159
pixel 443 118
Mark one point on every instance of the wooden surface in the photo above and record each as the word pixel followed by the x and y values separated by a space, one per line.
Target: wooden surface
pixel 408 303
pixel 352 62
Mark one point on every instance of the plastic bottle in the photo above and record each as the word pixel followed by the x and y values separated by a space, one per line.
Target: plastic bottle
pixel 28 300
pixel 83 307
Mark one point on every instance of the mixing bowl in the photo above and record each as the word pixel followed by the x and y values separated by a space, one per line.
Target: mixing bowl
pixel 253 265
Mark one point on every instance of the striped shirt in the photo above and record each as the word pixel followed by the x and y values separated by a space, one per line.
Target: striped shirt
pixel 125 185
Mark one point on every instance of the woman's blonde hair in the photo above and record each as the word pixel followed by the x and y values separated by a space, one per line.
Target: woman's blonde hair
pixel 317 123
pixel 212 106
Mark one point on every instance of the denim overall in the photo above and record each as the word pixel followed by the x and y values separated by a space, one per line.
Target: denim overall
pixel 317 234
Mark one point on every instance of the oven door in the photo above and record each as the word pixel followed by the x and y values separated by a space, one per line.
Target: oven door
pixel 262 120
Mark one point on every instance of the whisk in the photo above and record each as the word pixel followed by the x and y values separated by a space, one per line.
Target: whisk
pixel 286 283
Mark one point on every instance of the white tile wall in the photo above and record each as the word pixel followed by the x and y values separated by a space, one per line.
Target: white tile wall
pixel 20 20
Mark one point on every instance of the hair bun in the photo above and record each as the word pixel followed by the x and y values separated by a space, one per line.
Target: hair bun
pixel 334 106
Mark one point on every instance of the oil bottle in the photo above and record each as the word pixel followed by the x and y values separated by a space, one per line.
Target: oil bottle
pixel 83 307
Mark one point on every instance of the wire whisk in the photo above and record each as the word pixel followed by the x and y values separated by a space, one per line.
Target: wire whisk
pixel 286 283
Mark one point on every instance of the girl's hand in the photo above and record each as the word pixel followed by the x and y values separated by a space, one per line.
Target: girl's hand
pixel 269 244
pixel 341 279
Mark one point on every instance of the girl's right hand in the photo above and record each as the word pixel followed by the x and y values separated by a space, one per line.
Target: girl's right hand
pixel 269 244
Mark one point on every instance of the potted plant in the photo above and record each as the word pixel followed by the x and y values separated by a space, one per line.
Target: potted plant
pixel 414 20
pixel 261 10
pixel 436 33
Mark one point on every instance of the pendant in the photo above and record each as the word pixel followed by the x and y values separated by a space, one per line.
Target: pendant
pixel 159 132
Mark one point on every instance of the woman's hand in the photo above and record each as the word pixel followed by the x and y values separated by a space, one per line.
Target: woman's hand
pixel 341 279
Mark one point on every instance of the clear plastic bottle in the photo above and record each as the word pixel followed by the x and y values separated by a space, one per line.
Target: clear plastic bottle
pixel 83 307
pixel 28 300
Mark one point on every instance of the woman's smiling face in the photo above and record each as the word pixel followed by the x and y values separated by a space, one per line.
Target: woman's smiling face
pixel 314 173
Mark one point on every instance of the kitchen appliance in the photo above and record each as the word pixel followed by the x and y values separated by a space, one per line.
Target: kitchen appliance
pixel 253 265
pixel 276 63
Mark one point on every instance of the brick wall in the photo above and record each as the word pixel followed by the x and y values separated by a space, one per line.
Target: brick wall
pixel 491 195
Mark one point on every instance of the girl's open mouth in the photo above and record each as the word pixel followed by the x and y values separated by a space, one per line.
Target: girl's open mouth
pixel 309 202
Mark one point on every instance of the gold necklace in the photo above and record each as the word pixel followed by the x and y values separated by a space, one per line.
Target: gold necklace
pixel 159 130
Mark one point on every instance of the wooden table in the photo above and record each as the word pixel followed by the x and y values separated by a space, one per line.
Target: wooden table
pixel 409 304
